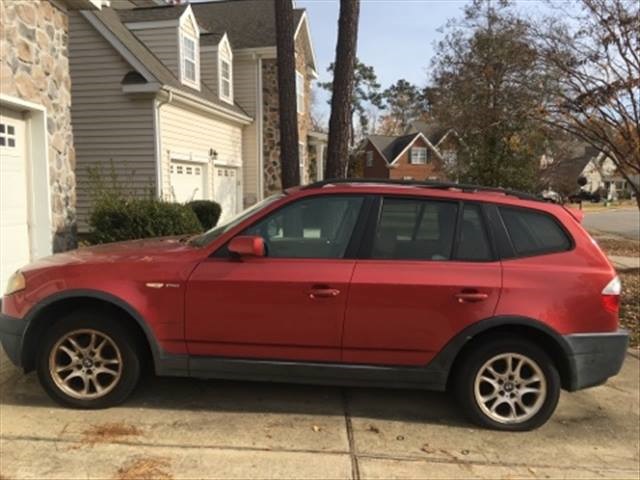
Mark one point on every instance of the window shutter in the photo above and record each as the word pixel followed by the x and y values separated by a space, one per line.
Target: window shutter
pixel 411 155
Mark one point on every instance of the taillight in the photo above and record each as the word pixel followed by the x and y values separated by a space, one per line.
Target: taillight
pixel 611 295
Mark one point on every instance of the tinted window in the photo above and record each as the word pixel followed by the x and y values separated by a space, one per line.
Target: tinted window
pixel 533 232
pixel 318 227
pixel 415 229
pixel 473 245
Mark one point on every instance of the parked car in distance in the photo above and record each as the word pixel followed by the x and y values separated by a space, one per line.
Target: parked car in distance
pixel 585 196
pixel 500 297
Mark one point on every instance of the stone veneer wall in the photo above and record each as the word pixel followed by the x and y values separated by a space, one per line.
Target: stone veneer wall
pixel 34 66
pixel 271 121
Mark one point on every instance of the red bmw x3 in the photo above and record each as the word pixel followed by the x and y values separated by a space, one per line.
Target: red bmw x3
pixel 500 297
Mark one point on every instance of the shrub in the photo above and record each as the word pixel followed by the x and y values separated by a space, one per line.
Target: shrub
pixel 208 212
pixel 114 218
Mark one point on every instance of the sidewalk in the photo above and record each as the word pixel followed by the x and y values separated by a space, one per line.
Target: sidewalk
pixel 625 263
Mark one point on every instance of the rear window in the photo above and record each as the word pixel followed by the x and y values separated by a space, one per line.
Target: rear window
pixel 534 233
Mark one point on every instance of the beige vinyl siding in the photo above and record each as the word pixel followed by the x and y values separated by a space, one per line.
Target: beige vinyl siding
pixel 109 127
pixel 245 86
pixel 187 132
pixel 209 69
pixel 187 26
pixel 163 42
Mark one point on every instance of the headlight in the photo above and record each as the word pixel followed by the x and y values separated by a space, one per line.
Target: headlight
pixel 16 283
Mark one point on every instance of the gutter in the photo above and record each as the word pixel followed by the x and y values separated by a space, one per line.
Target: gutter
pixel 199 103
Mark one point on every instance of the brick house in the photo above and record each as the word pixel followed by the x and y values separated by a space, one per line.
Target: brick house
pixel 423 153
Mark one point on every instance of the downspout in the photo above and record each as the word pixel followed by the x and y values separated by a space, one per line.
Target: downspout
pixel 158 140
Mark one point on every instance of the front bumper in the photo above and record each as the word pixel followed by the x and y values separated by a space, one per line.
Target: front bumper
pixel 11 333
pixel 594 357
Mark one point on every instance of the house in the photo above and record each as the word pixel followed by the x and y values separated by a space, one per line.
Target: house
pixel 423 153
pixel 37 183
pixel 182 100
pixel 575 159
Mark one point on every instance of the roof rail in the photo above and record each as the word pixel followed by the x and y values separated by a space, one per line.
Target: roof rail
pixel 428 184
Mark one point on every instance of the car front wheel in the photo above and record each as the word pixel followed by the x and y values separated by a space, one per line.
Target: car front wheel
pixel 88 360
pixel 508 384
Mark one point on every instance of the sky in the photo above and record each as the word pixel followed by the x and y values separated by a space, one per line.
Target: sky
pixel 396 37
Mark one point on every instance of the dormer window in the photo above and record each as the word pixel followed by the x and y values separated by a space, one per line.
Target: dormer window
pixel 189 54
pixel 225 80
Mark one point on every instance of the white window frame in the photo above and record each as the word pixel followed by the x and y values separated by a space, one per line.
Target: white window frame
pixel 419 159
pixel 195 82
pixel 221 79
pixel 369 161
pixel 300 92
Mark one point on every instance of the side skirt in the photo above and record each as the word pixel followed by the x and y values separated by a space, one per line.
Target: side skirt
pixel 428 378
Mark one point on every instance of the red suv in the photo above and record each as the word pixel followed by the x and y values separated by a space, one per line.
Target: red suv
pixel 502 298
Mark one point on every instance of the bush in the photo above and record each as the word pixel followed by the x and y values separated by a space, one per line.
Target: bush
pixel 208 212
pixel 115 218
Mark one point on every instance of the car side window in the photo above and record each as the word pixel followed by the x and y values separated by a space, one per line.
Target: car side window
pixel 473 243
pixel 316 227
pixel 415 229
pixel 534 233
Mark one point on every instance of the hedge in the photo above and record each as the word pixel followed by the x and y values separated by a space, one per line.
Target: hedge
pixel 208 212
pixel 117 219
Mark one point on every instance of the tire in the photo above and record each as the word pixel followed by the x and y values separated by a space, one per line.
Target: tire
pixel 79 369
pixel 506 407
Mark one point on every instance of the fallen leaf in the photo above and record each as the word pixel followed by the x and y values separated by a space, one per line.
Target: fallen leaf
pixel 316 428
pixel 374 429
pixel 427 449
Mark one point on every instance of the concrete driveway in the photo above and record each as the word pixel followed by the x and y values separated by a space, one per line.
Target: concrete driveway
pixel 625 222
pixel 179 428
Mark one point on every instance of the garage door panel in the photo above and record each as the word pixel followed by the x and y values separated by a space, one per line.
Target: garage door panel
pixel 14 206
pixel 226 191
pixel 187 181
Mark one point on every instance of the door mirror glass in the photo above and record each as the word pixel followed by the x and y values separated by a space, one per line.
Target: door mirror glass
pixel 247 246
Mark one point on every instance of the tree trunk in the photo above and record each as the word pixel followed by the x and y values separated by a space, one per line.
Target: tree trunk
pixel 290 166
pixel 340 120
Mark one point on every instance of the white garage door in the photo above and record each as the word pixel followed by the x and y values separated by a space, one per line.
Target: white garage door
pixel 14 205
pixel 187 181
pixel 225 191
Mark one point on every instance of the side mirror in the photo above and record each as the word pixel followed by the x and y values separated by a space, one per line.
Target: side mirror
pixel 247 246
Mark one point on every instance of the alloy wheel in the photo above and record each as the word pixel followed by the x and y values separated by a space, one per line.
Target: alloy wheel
pixel 85 364
pixel 510 388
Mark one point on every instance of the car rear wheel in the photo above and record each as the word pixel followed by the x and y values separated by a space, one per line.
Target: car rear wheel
pixel 508 384
pixel 88 360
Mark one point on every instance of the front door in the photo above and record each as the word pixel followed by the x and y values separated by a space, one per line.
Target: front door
pixel 289 305
pixel 429 274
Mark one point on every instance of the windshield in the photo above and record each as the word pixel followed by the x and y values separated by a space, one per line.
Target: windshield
pixel 210 235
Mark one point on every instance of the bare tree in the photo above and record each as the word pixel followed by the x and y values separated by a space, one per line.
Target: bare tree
pixel 287 94
pixel 595 62
pixel 341 100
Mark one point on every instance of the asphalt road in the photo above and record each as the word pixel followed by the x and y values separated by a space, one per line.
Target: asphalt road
pixel 624 222
pixel 184 428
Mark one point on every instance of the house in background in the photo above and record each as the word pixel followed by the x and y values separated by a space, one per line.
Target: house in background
pixel 423 153
pixel 182 100
pixel 37 183
pixel 577 159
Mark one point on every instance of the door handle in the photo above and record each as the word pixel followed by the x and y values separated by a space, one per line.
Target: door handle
pixel 324 292
pixel 470 297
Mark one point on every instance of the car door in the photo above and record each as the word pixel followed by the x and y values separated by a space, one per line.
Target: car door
pixel 428 272
pixel 288 305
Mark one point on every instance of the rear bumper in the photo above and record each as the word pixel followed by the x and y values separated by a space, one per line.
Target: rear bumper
pixel 11 333
pixel 594 357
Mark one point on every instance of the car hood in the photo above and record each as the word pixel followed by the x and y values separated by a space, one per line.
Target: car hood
pixel 146 250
